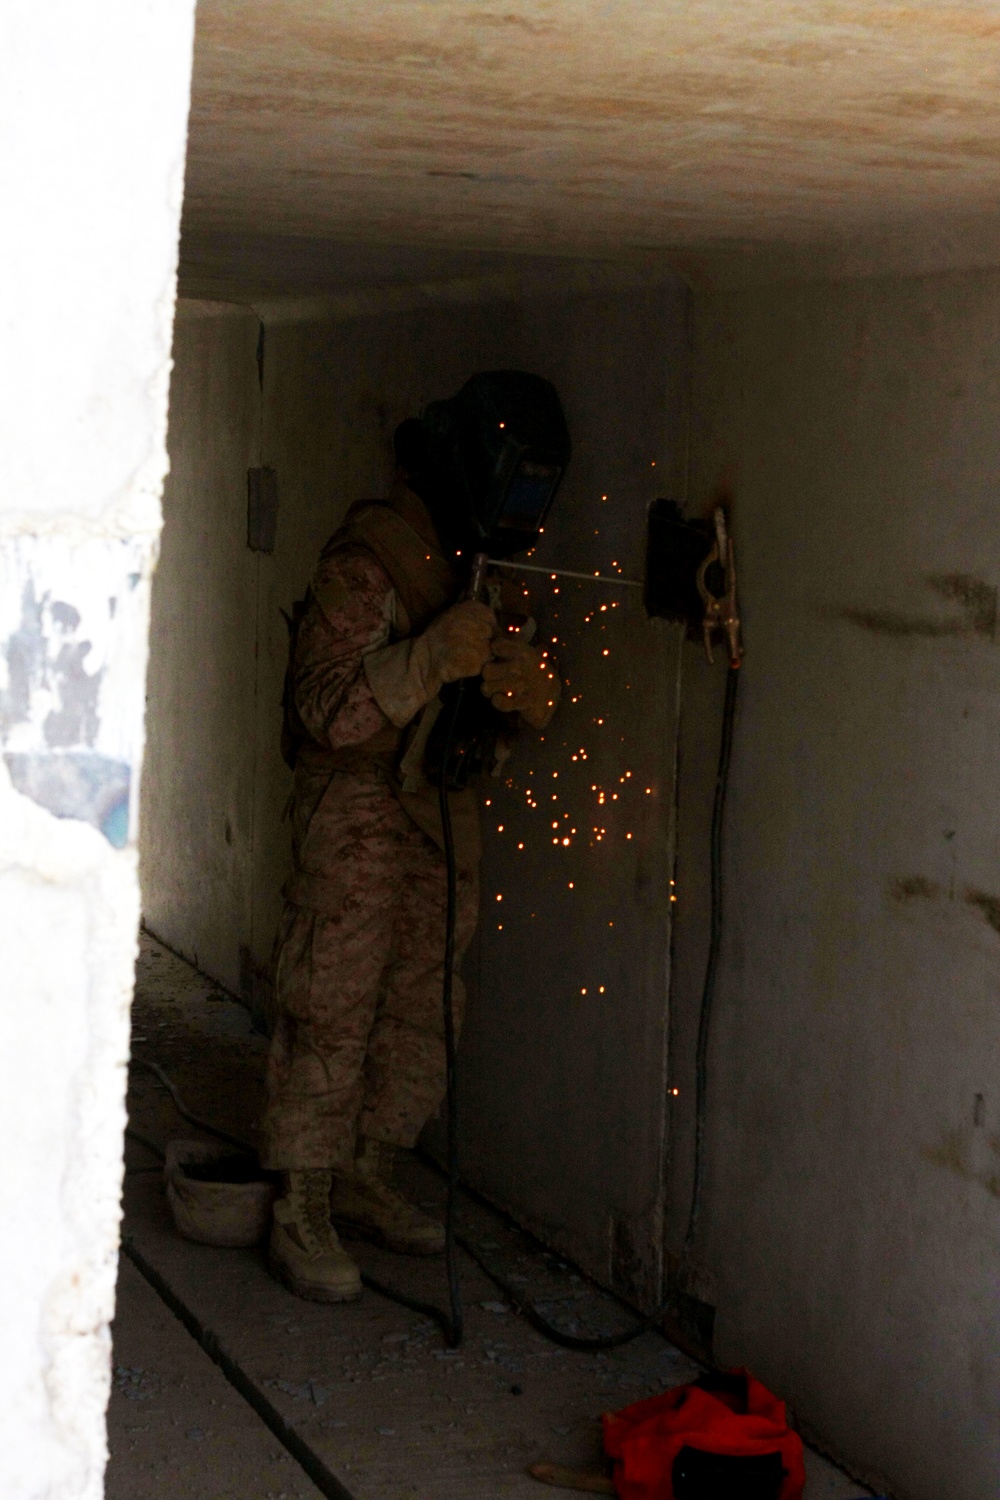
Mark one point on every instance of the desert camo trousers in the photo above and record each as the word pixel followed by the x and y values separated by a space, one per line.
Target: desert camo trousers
pixel 358 1045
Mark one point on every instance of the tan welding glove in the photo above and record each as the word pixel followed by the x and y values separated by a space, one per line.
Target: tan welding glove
pixel 519 680
pixel 405 677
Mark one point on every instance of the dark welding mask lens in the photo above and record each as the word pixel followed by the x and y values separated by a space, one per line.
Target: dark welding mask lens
pixel 528 496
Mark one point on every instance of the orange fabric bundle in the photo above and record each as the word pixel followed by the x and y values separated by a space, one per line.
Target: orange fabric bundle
pixel 657 1444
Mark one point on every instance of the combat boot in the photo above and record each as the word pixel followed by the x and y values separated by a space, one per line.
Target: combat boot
pixel 367 1203
pixel 305 1252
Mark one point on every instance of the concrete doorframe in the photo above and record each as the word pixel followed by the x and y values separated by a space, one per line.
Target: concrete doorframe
pixel 95 100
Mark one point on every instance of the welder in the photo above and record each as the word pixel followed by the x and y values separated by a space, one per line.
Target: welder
pixel 356 1064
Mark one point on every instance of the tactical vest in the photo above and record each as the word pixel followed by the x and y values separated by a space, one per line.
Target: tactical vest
pixel 425 584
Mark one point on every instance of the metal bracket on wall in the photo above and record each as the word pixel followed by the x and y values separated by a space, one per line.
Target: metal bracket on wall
pixel 262 509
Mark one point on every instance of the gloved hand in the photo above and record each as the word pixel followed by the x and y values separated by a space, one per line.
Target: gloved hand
pixel 518 679
pixel 405 677
pixel 457 642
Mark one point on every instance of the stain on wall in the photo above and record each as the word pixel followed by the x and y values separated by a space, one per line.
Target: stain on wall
pixel 987 905
pixel 910 887
pixel 977 601
pixel 905 888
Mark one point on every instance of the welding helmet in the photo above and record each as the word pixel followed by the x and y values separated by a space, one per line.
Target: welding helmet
pixel 487 463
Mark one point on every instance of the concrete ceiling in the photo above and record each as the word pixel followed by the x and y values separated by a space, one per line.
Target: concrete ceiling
pixel 340 144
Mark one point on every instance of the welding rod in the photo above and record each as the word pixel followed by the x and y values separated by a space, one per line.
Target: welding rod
pixel 519 567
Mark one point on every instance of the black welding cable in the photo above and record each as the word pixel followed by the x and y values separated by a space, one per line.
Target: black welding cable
pixel 452 1325
pixel 711 969
pixel 453 1333
pixel 182 1109
pixel 444 1321
pixel 145 1143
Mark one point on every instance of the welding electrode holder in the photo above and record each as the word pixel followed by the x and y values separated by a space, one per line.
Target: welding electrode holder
pixel 462 742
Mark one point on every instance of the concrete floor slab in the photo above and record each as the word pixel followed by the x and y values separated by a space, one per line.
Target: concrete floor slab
pixel 176 1428
pixel 369 1386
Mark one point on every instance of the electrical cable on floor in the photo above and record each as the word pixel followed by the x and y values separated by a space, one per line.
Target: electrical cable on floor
pixel 446 1322
pixel 452 1323
pixel 145 1143
pixel 182 1109
pixel 711 971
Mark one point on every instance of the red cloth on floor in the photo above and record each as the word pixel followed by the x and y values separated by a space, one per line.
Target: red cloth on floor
pixel 645 1439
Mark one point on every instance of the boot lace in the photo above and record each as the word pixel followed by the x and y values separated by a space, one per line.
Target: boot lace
pixel 315 1207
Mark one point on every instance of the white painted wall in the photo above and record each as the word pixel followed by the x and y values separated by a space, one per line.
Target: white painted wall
pixel 852 1221
pixel 93 106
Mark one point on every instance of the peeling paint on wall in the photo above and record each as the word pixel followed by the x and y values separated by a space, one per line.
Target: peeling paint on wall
pixel 70 726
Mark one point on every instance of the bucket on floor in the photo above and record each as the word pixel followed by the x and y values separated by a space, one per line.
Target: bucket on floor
pixel 218 1196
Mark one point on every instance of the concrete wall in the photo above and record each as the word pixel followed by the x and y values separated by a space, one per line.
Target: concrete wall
pixel 94 103
pixel 564 1093
pixel 198 787
pixel 852 1221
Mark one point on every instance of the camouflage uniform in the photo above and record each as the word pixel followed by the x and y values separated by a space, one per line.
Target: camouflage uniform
pixel 358 1043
